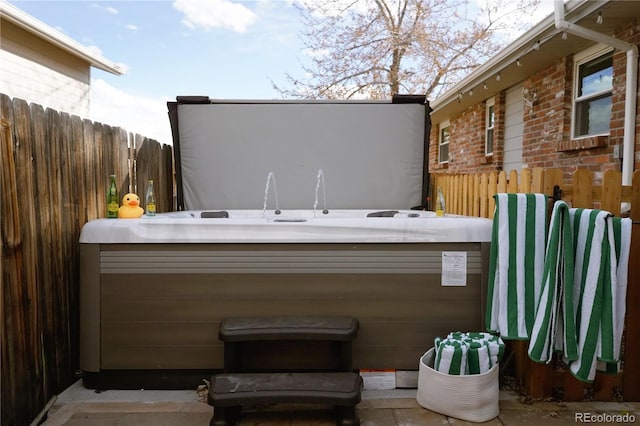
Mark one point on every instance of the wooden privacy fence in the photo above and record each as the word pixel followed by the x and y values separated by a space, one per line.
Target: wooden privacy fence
pixel 472 195
pixel 55 170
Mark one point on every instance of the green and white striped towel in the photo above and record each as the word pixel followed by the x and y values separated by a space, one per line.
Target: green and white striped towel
pixel 622 242
pixel 583 302
pixel 601 259
pixel 516 264
pixel 554 328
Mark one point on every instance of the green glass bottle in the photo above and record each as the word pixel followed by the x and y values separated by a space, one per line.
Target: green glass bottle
pixel 150 199
pixel 112 199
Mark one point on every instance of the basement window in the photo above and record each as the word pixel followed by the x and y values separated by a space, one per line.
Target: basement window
pixel 592 94
pixel 443 142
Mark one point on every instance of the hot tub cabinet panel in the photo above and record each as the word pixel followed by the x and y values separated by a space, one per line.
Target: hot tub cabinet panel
pixel 158 306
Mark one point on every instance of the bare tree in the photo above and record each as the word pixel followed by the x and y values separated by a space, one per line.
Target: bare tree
pixel 374 49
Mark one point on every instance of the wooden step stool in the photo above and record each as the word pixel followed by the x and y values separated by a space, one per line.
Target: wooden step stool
pixel 237 388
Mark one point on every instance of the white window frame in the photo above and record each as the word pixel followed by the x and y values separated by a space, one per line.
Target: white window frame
pixel 444 125
pixel 490 125
pixel 580 59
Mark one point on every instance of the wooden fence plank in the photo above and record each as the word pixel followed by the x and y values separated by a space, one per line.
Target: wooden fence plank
pixel 12 324
pixel 94 208
pixel 484 195
pixel 611 192
pixel 582 195
pixel 492 190
pixel 513 185
pixel 552 178
pixel 26 307
pixel 502 182
pixel 525 181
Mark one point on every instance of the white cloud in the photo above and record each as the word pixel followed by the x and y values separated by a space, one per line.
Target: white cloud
pixel 208 14
pixel 316 54
pixel 137 114
pixel 108 9
pixel 132 27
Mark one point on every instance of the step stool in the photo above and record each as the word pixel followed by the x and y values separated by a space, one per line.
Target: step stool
pixel 237 388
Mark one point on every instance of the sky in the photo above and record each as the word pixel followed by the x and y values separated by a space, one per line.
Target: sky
pixel 224 49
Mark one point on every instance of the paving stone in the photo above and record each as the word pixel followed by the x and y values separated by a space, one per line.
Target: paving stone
pixel 93 419
pixel 458 422
pixel 535 417
pixel 378 417
pixel 393 403
pixel 283 416
pixel 196 407
pixel 138 419
pixel 418 416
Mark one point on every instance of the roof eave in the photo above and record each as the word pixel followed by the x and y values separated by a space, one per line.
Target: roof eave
pixel 51 35
pixel 500 63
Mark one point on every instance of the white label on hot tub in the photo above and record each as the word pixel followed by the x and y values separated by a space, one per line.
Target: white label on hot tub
pixel 454 268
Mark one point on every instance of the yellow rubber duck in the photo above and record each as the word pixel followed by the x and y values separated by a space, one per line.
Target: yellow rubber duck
pixel 130 208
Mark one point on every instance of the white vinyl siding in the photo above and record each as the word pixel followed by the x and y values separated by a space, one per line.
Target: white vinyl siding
pixel 513 129
pixel 40 73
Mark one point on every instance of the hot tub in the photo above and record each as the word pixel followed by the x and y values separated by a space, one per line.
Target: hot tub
pixel 154 290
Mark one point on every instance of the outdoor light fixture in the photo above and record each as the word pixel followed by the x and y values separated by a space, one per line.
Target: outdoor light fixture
pixel 498 77
pixel 518 62
pixel 599 18
pixel 485 85
pixel 537 45
pixel 564 35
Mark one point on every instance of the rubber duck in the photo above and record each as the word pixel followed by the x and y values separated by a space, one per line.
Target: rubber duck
pixel 130 208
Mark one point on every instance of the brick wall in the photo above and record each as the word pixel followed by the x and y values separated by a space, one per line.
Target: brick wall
pixel 467 145
pixel 547 126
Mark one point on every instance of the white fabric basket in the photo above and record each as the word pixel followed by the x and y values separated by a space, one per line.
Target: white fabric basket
pixel 473 398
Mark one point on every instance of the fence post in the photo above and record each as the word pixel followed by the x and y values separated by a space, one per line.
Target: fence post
pixel 631 372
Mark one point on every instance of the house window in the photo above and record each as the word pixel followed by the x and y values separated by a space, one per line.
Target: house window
pixel 443 143
pixel 592 99
pixel 490 122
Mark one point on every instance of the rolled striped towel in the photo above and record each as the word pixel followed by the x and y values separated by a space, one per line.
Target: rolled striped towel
pixel 516 264
pixel 554 326
pixel 494 344
pixel 478 358
pixel 451 357
pixel 467 353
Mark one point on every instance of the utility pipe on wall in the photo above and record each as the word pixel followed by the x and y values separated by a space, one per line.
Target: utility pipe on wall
pixel 631 87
